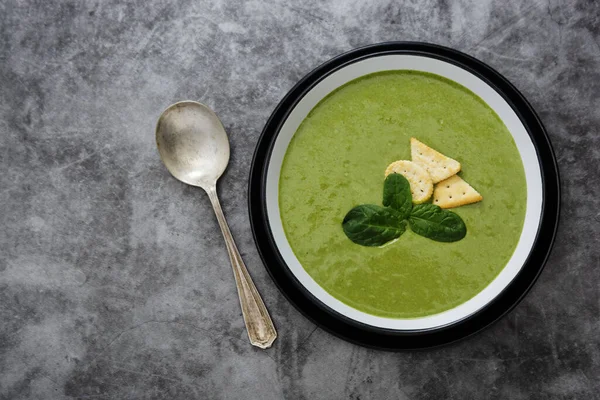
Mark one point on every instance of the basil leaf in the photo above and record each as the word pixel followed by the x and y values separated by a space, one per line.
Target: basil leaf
pixel 396 194
pixel 436 223
pixel 371 225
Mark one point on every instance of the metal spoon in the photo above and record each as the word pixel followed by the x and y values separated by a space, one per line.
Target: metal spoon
pixel 194 147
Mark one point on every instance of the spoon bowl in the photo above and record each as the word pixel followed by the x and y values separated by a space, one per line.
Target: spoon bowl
pixel 192 143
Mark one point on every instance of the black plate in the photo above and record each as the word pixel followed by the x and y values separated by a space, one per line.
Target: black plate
pixel 382 338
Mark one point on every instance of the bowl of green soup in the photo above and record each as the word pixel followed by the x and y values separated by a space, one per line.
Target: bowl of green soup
pixel 352 249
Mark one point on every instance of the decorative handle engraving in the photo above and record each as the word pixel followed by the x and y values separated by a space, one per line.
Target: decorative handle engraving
pixel 258 322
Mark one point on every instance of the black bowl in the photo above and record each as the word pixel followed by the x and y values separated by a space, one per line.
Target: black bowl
pixel 383 338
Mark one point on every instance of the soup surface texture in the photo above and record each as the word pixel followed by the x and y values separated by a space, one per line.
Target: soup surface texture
pixel 336 160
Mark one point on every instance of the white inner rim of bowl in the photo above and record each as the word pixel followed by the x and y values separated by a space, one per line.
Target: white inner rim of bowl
pixel 477 86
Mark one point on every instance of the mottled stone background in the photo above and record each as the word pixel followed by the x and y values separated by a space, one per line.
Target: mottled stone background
pixel 114 281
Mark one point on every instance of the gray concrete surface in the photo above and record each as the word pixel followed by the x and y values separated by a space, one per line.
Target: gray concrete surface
pixel 114 282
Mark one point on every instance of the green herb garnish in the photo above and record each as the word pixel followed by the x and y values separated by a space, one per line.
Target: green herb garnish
pixel 396 194
pixel 372 225
pixel 436 223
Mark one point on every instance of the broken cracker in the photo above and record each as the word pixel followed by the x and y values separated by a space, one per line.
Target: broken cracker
pixel 454 192
pixel 438 166
pixel 421 186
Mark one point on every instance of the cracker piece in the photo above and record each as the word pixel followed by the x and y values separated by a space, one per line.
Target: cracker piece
pixel 435 163
pixel 454 192
pixel 421 186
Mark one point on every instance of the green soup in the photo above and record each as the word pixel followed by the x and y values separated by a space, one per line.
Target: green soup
pixel 336 160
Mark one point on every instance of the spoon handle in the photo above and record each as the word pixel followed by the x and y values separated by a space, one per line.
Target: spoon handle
pixel 258 322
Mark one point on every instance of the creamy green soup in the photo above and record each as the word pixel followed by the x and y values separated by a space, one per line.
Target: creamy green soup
pixel 336 160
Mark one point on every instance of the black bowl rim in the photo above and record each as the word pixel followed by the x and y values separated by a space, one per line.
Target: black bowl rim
pixel 382 338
